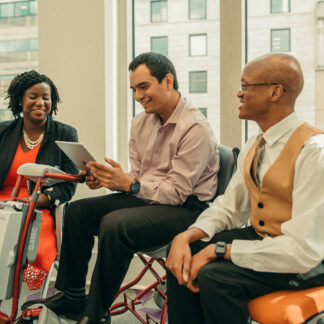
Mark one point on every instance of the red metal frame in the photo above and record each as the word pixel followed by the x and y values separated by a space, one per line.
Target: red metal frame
pixel 130 303
pixel 12 318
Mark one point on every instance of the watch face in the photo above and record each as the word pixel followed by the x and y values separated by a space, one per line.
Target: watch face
pixel 135 187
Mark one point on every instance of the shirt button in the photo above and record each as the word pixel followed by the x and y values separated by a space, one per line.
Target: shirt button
pixel 261 223
pixel 260 205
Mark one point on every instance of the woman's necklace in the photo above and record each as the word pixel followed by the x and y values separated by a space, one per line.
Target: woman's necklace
pixel 29 143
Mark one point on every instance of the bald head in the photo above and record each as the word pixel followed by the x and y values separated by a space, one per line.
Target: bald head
pixel 280 68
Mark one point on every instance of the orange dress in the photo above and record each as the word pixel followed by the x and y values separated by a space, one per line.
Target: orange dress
pixel 36 272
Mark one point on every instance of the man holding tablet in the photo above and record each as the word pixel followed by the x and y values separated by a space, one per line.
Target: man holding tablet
pixel 174 164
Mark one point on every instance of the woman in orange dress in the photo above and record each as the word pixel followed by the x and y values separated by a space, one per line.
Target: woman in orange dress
pixel 31 137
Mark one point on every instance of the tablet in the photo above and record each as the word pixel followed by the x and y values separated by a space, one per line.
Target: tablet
pixel 77 153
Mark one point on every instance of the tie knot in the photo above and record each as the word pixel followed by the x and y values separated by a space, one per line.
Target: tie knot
pixel 260 141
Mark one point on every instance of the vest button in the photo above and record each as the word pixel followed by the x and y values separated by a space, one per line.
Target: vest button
pixel 261 223
pixel 260 205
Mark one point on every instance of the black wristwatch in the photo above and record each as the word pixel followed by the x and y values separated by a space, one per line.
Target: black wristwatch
pixel 220 250
pixel 135 187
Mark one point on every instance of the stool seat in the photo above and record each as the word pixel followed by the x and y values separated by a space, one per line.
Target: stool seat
pixel 288 306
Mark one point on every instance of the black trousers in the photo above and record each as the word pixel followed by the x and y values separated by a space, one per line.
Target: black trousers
pixel 124 225
pixel 224 288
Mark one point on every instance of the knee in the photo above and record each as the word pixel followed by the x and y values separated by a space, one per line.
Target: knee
pixel 113 223
pixel 73 214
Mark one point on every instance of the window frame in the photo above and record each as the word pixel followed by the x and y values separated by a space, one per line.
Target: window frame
pixel 156 1
pixel 289 45
pixel 279 12
pixel 167 43
pixel 200 71
pixel 206 44
pixel 189 11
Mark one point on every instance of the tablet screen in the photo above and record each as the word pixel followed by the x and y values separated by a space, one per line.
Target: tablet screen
pixel 77 152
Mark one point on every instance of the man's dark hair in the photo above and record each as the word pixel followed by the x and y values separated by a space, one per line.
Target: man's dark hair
pixel 158 64
pixel 21 82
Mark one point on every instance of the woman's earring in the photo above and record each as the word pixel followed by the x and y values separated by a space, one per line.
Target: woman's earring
pixel 19 104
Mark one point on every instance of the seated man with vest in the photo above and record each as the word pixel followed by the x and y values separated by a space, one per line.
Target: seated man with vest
pixel 217 266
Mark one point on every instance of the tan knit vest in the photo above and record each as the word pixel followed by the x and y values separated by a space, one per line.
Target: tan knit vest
pixel 271 206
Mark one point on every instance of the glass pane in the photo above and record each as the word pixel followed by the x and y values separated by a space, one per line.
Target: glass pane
pixel 18 43
pixel 198 45
pixel 33 45
pixel 280 40
pixel 204 111
pixel 177 30
pixel 32 7
pixel 158 11
pixel 197 9
pixel 22 45
pixel 6 10
pixel 198 82
pixel 7 46
pixel 159 45
pixel 21 9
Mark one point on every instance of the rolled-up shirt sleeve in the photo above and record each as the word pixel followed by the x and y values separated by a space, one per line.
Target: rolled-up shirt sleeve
pixel 230 210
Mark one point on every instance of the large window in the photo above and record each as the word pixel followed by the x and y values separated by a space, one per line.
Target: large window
pixel 186 44
pixel 197 9
pixel 160 45
pixel 280 40
pixel 18 9
pixel 158 10
pixel 198 45
pixel 198 81
pixel 280 6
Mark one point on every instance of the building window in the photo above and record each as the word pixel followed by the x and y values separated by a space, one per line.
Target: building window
pixel 279 6
pixel 159 45
pixel 197 9
pixel 19 45
pixel 198 81
pixel 198 45
pixel 158 10
pixel 319 35
pixel 280 40
pixel 18 9
pixel 204 111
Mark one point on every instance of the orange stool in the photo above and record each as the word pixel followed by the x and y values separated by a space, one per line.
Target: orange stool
pixel 289 307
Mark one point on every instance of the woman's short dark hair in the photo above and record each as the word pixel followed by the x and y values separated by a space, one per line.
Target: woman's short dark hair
pixel 158 64
pixel 21 82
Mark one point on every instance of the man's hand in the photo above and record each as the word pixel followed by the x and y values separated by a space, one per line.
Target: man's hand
pixel 91 181
pixel 179 258
pixel 178 261
pixel 111 177
pixel 198 261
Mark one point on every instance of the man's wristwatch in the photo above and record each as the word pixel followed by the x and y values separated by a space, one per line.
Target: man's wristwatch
pixel 220 250
pixel 135 187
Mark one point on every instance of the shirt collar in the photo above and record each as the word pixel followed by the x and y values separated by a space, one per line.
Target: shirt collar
pixel 274 133
pixel 173 119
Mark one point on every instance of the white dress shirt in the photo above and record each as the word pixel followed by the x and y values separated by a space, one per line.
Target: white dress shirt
pixel 301 247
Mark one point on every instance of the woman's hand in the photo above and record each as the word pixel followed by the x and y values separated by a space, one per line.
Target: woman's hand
pixel 42 201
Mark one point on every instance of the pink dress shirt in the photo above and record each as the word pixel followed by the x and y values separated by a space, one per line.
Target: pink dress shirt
pixel 174 160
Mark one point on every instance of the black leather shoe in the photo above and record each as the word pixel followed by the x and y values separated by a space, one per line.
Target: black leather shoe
pixel 104 320
pixel 61 305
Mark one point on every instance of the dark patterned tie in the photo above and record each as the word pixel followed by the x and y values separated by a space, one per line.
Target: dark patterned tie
pixel 258 150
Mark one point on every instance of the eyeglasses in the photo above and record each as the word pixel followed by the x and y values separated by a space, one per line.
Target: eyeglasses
pixel 244 86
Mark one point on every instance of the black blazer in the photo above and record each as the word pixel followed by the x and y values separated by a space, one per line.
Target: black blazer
pixel 49 153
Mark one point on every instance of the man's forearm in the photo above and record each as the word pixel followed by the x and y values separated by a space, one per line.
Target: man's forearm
pixel 191 235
